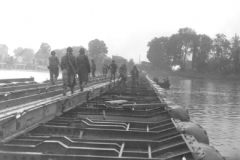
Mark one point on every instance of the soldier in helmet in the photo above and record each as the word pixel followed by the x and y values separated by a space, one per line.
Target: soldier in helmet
pixel 105 70
pixel 53 67
pixel 69 67
pixel 84 68
pixel 113 68
pixel 123 74
pixel 135 76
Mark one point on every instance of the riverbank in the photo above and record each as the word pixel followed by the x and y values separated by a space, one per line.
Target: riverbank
pixel 192 75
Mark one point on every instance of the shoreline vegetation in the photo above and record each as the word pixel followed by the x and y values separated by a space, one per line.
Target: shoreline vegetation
pixel 197 55
pixel 190 74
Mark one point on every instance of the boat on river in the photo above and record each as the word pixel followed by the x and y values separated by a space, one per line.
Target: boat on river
pixel 165 84
pixel 105 121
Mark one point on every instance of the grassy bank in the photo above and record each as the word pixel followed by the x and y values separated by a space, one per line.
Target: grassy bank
pixel 193 75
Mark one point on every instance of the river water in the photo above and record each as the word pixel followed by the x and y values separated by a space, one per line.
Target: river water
pixel 39 76
pixel 215 105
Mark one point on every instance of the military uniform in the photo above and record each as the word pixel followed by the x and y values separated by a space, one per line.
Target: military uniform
pixel 68 66
pixel 135 76
pixel 123 74
pixel 113 68
pixel 83 69
pixel 53 68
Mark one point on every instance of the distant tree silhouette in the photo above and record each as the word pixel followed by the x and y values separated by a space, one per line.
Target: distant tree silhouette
pixel 174 50
pixel 43 53
pixel 235 49
pixel 157 52
pixel 188 38
pixel 27 54
pixel 18 51
pixel 222 53
pixel 97 50
pixel 218 55
pixel 45 49
pixel 204 52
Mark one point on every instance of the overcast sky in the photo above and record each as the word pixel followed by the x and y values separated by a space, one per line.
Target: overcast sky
pixel 126 26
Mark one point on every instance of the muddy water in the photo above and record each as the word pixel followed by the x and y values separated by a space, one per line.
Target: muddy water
pixel 215 105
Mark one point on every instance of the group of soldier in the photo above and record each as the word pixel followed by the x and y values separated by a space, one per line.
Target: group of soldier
pixel 123 73
pixel 72 66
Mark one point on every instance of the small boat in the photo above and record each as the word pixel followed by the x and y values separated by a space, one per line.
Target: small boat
pixel 165 84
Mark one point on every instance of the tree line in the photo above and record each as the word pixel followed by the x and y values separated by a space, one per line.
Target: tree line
pixel 208 55
pixel 97 50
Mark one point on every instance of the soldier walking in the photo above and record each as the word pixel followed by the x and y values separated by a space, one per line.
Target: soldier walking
pixel 83 68
pixel 105 70
pixel 135 76
pixel 123 74
pixel 93 68
pixel 69 67
pixel 53 67
pixel 113 68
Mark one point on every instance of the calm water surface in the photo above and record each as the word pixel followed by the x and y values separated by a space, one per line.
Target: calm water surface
pixel 39 76
pixel 215 105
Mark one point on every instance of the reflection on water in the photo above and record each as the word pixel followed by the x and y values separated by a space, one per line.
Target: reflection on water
pixel 39 76
pixel 216 106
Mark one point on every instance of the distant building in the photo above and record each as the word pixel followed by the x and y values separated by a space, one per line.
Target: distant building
pixel 19 59
pixel 3 52
pixel 119 60
pixel 145 66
